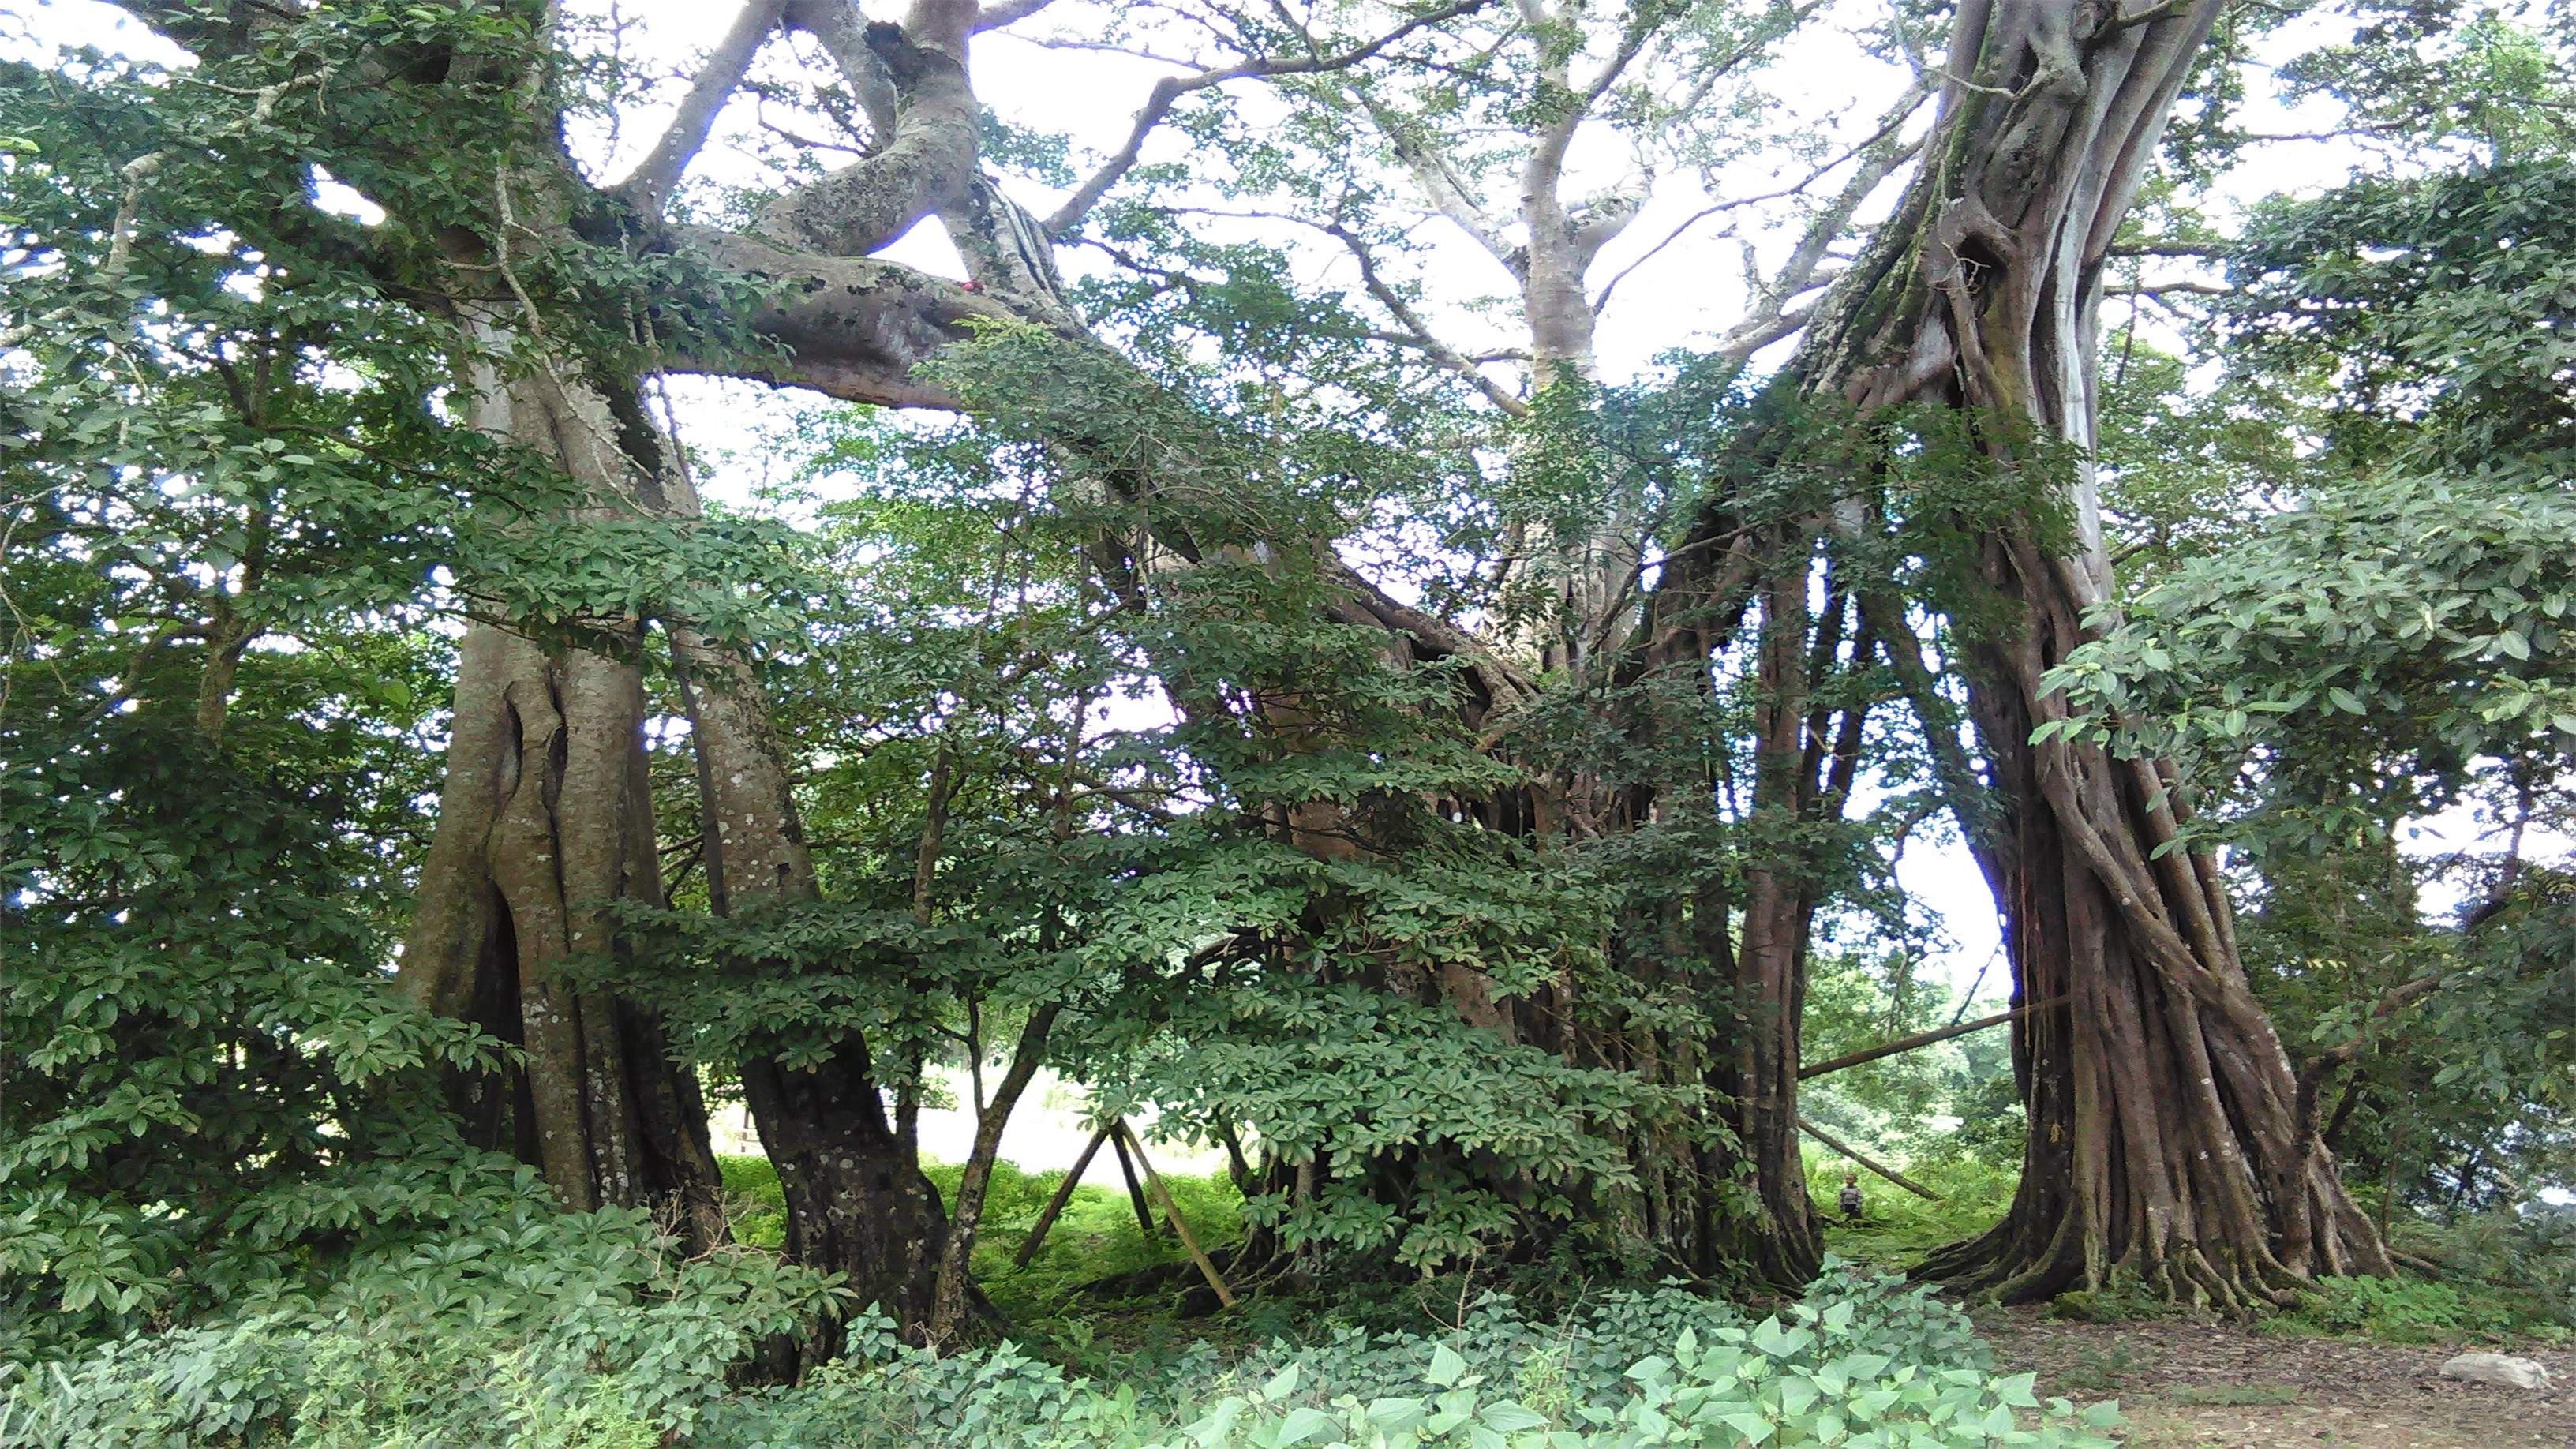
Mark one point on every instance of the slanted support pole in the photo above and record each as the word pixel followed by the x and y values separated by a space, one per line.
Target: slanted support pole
pixel 1127 1170
pixel 1056 1204
pixel 1172 1211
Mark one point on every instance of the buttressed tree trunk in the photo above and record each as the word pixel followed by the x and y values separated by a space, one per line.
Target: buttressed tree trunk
pixel 545 819
pixel 545 822
pixel 2166 1139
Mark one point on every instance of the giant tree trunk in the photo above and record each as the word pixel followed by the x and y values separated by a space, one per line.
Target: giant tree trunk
pixel 2164 1140
pixel 545 821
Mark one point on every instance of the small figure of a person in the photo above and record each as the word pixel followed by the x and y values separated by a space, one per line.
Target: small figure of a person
pixel 1850 1198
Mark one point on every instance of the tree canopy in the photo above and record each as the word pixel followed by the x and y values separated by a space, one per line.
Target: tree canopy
pixel 1408 601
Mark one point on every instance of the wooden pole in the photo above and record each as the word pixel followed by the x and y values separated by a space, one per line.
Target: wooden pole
pixel 1172 1211
pixel 1055 1205
pixel 1890 1173
pixel 1135 1194
pixel 1922 1039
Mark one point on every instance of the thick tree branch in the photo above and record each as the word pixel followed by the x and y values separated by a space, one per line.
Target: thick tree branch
pixel 853 327
pixel 1504 682
pixel 2212 250
pixel 2160 289
pixel 843 32
pixel 649 186
pixel 925 164
pixel 1009 12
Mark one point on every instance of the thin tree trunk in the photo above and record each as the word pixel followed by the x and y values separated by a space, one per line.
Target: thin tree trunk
pixel 857 1202
pixel 953 1304
pixel 1785 1244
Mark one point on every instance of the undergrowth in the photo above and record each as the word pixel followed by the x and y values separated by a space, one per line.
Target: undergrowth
pixel 2398 1311
pixel 1861 1361
pixel 587 1332
pixel 1094 1286
pixel 1896 1228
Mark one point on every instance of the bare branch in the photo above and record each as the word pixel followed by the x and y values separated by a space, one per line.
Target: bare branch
pixel 1922 1039
pixel 1882 1169
pixel 1880 156
pixel 1753 334
pixel 1421 335
pixel 649 185
pixel 1158 102
pixel 1008 12
pixel 2212 250
pixel 2159 289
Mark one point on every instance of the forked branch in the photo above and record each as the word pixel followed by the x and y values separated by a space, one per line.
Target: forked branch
pixel 649 186
pixel 1169 90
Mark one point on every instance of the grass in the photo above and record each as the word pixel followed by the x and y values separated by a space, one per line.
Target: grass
pixel 1086 1300
pixel 2230 1396
pixel 1896 1228
pixel 1095 1239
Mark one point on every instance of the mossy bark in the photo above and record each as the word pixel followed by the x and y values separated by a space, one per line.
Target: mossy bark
pixel 2164 1142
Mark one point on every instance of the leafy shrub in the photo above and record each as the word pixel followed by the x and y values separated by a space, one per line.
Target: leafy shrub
pixel 543 1331
pixel 2527 1255
pixel 1861 1361
pixel 585 1331
pixel 2394 1312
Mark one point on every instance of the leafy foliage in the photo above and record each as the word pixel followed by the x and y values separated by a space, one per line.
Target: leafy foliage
pixel 533 1327
pixel 1859 1361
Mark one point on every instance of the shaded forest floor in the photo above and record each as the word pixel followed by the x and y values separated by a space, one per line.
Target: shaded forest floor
pixel 2186 1384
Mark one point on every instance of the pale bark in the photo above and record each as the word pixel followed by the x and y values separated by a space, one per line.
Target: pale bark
pixel 545 823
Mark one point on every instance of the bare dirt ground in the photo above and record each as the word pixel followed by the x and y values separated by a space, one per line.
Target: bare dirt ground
pixel 2207 1386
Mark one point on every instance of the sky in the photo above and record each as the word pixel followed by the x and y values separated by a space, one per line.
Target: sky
pixel 1687 293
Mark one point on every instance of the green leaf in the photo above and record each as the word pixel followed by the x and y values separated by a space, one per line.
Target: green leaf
pixel 1302 1424
pixel 1509 1417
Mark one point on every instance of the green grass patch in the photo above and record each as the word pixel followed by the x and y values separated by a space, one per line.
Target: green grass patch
pixel 1896 1228
pixel 1095 1239
pixel 2230 1396
pixel 2390 1311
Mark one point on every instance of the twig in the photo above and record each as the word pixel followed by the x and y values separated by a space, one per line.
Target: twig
pixel 1158 103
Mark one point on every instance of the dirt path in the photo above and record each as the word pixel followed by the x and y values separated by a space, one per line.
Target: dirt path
pixel 2184 1384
